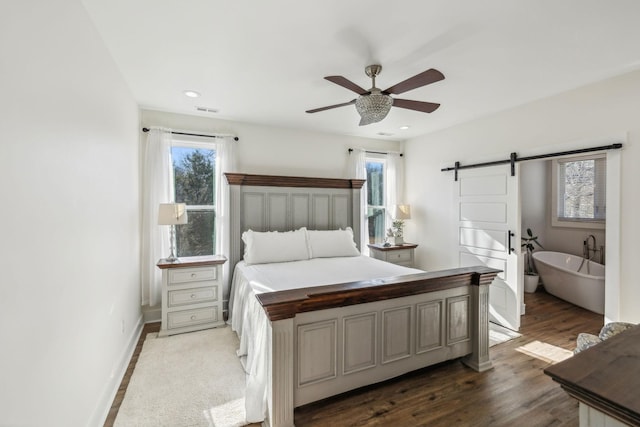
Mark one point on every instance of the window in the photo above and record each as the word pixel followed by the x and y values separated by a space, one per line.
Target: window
pixel 194 183
pixel 376 217
pixel 579 187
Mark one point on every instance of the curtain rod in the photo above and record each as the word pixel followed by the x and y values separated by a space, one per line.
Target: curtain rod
pixel 235 138
pixel 378 152
pixel 514 158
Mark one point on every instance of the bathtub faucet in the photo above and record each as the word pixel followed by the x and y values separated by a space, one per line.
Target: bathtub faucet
pixel 586 251
pixel 591 248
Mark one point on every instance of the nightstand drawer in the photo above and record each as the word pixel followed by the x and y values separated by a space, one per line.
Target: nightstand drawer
pixel 179 319
pixel 182 275
pixel 399 255
pixel 192 296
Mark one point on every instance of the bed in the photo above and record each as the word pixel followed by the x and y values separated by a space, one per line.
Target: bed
pixel 316 325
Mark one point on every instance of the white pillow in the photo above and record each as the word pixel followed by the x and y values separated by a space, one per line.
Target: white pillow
pixel 331 243
pixel 274 246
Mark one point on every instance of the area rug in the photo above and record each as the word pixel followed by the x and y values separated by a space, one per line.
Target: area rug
pixel 192 379
pixel 499 334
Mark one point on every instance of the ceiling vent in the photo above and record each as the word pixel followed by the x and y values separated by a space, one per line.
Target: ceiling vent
pixel 207 110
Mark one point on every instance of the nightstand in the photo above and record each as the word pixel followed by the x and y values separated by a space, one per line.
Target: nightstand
pixel 401 254
pixel 191 294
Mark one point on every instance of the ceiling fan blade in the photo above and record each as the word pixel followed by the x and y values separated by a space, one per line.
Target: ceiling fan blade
pixel 424 78
pixel 315 110
pixel 425 107
pixel 348 84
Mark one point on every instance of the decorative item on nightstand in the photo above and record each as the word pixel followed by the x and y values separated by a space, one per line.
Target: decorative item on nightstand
pixel 172 214
pixel 396 233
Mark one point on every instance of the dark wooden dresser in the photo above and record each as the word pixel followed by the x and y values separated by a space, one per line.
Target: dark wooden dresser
pixel 605 377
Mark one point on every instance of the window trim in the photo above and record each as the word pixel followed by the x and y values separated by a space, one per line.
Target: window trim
pixel 577 222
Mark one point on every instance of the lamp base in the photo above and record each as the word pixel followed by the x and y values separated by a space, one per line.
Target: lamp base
pixel 398 241
pixel 172 258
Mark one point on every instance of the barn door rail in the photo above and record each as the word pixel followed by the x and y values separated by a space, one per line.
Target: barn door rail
pixel 513 158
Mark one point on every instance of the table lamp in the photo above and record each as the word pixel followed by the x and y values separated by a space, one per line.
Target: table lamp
pixel 172 214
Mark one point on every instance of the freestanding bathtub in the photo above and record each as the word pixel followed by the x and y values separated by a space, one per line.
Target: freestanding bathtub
pixel 560 277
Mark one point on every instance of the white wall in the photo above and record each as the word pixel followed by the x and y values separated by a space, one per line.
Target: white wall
pixel 533 199
pixel 276 151
pixel 568 120
pixel 69 292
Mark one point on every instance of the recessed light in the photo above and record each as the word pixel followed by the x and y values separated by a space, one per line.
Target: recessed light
pixel 405 127
pixel 191 93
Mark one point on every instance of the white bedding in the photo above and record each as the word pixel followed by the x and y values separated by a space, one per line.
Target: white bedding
pixel 248 319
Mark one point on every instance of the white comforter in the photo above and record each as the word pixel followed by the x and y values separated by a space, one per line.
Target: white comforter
pixel 248 319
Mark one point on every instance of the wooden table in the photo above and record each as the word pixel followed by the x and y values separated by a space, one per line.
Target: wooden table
pixel 605 377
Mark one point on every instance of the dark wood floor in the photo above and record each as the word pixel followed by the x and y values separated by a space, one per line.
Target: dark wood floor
pixel 514 393
pixel 117 401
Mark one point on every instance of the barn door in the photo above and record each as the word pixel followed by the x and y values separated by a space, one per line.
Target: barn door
pixel 488 225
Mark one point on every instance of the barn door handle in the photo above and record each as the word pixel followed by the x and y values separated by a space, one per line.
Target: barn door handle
pixel 511 234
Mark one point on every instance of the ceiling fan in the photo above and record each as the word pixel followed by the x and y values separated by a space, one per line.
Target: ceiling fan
pixel 374 104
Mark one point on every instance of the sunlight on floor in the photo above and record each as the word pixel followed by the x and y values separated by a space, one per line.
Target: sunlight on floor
pixel 546 352
pixel 228 414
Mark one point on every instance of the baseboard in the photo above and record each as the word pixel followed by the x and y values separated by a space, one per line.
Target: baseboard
pixel 151 314
pixel 117 374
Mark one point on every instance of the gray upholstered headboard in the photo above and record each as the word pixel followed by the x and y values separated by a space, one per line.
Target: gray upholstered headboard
pixel 283 203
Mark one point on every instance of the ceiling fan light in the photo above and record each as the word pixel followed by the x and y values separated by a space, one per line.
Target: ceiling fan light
pixel 373 107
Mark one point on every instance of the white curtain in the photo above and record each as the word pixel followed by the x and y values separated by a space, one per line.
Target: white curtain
pixel 225 162
pixel 156 189
pixel 394 183
pixel 358 170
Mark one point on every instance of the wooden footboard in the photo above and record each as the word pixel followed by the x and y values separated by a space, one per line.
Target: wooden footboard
pixel 330 339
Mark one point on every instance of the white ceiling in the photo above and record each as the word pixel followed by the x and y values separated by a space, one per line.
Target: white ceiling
pixel 263 61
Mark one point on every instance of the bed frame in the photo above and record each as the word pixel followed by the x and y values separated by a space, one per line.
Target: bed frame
pixel 326 340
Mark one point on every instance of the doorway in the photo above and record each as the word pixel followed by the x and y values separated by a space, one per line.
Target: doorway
pixel 480 241
pixel 536 196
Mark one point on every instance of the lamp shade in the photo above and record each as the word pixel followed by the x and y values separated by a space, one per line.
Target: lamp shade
pixel 172 213
pixel 401 212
